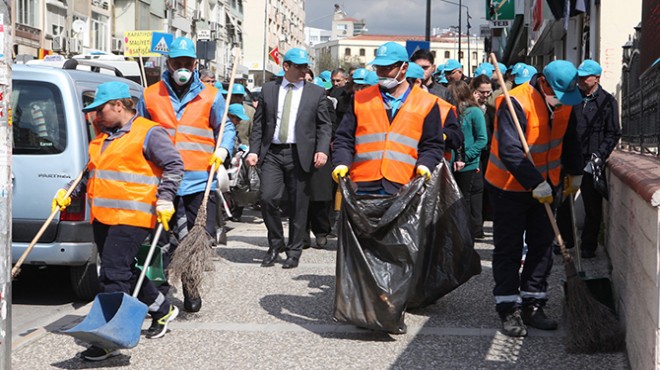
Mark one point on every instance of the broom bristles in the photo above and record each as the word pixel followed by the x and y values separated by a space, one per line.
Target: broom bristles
pixel 191 257
pixel 592 327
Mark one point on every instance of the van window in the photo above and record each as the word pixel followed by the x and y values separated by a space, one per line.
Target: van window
pixel 39 123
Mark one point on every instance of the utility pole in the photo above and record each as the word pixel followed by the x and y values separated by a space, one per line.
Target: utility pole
pixel 6 42
pixel 460 29
pixel 428 21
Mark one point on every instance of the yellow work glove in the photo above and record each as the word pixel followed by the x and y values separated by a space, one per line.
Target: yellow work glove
pixel 218 157
pixel 571 184
pixel 164 211
pixel 60 201
pixel 339 171
pixel 424 171
pixel 543 192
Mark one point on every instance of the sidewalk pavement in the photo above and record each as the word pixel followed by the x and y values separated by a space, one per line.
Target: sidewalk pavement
pixel 272 318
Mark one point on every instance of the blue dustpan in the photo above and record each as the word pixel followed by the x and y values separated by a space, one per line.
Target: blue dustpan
pixel 115 320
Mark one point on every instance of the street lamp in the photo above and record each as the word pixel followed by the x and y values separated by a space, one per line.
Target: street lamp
pixel 460 5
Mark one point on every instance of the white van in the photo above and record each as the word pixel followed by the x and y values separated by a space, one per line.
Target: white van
pixel 95 62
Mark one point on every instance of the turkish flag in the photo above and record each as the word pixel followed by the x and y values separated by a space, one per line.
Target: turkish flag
pixel 537 14
pixel 275 54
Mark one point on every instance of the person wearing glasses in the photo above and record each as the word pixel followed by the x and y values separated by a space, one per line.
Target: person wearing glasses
pixel 290 140
pixel 454 72
pixel 207 77
pixel 482 89
pixel 391 133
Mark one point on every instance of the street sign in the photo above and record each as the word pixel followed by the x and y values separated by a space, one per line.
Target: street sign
pixel 275 54
pixel 205 49
pixel 484 31
pixel 138 43
pixel 500 9
pixel 500 24
pixel 413 46
pixel 203 34
pixel 160 42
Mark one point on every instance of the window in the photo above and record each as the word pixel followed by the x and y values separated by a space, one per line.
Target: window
pixel 347 52
pixel 27 12
pixel 362 52
pixel 474 55
pixel 100 31
pixel 433 52
pixel 447 55
pixel 341 27
pixel 460 55
pixel 375 51
pixel 55 20
pixel 39 124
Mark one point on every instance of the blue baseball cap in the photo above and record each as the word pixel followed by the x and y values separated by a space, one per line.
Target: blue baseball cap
pixel 562 77
pixel 218 85
pixel 371 79
pixel 106 92
pixel 297 56
pixel 502 68
pixel 485 68
pixel 359 75
pixel 318 81
pixel 182 47
pixel 589 68
pixel 326 75
pixel 415 71
pixel 517 68
pixel 238 110
pixel 452 64
pixel 390 53
pixel 238 89
pixel 440 69
pixel 280 73
pixel 524 74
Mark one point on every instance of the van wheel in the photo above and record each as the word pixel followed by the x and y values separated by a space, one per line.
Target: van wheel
pixel 85 280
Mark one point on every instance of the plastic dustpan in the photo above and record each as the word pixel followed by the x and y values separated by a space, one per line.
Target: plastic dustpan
pixel 115 320
pixel 155 271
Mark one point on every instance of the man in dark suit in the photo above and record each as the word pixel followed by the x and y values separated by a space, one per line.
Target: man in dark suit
pixel 290 139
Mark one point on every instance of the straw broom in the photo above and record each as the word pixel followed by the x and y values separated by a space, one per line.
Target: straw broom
pixel 592 327
pixel 194 252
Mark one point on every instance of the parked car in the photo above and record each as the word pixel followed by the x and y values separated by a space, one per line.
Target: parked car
pixel 50 140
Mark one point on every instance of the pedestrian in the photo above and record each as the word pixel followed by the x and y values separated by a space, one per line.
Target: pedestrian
pixel 425 59
pixel 207 77
pixel 191 112
pixel 290 137
pixel 415 74
pixel 391 131
pixel 363 78
pixel 508 82
pixel 522 73
pixel 454 72
pixel 518 190
pixel 597 117
pixel 133 174
pixel 466 173
pixel 340 93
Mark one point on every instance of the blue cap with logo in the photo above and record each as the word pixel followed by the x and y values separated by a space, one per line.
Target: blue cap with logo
pixel 562 77
pixel 318 81
pixel 238 111
pixel 297 56
pixel 106 92
pixel 218 85
pixel 390 53
pixel 238 89
pixel 524 74
pixel 326 75
pixel 359 75
pixel 182 47
pixel 517 68
pixel 589 68
pixel 452 64
pixel 415 71
pixel 502 67
pixel 485 68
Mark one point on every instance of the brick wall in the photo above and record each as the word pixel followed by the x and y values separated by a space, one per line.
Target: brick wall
pixel 632 242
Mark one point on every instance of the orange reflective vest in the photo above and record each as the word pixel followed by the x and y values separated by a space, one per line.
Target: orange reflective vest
pixel 384 150
pixel 544 138
pixel 445 108
pixel 122 184
pixel 192 135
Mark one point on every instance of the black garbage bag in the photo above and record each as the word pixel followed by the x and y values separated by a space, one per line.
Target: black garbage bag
pixel 246 191
pixel 600 182
pixel 399 251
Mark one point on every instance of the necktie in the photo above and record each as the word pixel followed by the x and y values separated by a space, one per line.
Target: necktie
pixel 286 112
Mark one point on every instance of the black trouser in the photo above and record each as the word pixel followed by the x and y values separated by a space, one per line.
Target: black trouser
pixel 472 188
pixel 118 246
pixel 319 218
pixel 517 215
pixel 280 172
pixel 593 216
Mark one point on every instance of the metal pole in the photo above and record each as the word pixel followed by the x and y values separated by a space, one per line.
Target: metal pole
pixel 428 21
pixel 263 72
pixel 6 43
pixel 460 30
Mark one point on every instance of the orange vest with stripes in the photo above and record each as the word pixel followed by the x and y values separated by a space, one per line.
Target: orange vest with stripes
pixel 384 150
pixel 544 138
pixel 122 183
pixel 445 108
pixel 192 135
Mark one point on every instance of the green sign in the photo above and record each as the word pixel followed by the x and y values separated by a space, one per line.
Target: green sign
pixel 500 10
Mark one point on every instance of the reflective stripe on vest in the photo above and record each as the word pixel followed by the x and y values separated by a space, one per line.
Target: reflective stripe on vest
pixel 122 183
pixel 192 134
pixel 384 150
pixel 544 138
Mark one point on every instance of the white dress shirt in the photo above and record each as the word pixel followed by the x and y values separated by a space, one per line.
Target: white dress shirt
pixel 295 103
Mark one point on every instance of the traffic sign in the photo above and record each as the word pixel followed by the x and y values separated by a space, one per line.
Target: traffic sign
pixel 412 46
pixel 160 42
pixel 500 10
pixel 500 23
pixel 203 34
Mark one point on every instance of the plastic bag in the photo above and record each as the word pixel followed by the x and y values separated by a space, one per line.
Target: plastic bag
pixel 246 190
pixel 600 182
pixel 399 251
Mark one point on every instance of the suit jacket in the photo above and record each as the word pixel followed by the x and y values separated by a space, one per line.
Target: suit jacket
pixel 313 125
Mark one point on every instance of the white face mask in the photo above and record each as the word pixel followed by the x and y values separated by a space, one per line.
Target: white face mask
pixel 182 76
pixel 390 83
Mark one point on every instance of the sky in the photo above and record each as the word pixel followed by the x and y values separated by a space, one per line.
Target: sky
pixel 397 17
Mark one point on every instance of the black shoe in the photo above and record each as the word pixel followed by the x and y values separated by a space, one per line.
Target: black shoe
pixel 536 318
pixel 480 236
pixel 512 324
pixel 290 263
pixel 235 219
pixel 269 258
pixel 95 353
pixel 587 254
pixel 158 326
pixel 192 304
pixel 321 241
pixel 307 243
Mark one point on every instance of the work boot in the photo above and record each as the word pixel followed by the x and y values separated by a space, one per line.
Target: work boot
pixel 535 317
pixel 158 326
pixel 512 324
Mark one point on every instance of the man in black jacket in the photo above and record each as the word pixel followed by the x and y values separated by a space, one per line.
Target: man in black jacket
pixel 598 130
